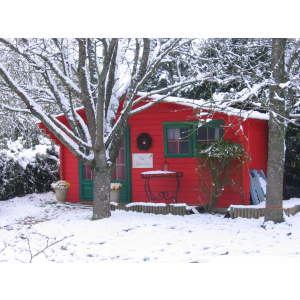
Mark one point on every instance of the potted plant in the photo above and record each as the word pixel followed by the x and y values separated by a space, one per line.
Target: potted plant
pixel 115 189
pixel 61 190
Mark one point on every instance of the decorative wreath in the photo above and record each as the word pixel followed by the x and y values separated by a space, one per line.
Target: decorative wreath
pixel 143 141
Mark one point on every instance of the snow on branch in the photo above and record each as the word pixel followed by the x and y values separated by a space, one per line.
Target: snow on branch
pixel 38 112
pixel 23 110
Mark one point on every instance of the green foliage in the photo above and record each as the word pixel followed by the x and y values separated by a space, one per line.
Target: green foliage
pixel 223 60
pixel 222 149
pixel 292 154
pixel 218 166
pixel 15 181
pixel 3 142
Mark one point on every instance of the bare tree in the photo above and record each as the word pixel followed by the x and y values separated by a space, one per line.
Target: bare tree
pixel 251 75
pixel 277 129
pixel 96 74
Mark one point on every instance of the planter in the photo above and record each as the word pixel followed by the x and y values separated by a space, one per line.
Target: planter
pixel 115 195
pixel 61 195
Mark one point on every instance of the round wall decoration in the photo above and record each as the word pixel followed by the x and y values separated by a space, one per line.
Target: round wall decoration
pixel 143 141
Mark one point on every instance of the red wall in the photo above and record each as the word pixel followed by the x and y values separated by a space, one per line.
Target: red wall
pixel 70 174
pixel 68 165
pixel 258 142
pixel 150 121
pixel 254 138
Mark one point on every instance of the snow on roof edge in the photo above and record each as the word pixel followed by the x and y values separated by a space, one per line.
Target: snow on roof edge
pixel 196 104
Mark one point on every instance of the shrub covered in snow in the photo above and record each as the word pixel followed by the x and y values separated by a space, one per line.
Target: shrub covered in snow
pixel 25 171
pixel 219 167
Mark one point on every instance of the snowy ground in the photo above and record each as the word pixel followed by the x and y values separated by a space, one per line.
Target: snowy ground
pixel 138 237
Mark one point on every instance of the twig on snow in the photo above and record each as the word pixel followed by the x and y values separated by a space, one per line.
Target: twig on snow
pixel 5 246
pixel 42 251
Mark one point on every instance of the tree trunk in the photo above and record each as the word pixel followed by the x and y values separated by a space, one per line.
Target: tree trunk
pixel 214 203
pixel 101 205
pixel 277 128
pixel 16 134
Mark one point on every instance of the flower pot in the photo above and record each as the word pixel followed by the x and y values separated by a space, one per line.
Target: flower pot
pixel 61 195
pixel 115 195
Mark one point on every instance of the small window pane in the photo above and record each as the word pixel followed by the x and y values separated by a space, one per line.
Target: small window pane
pixel 217 133
pixel 184 134
pixel 172 147
pixel 122 172
pixel 87 173
pixel 173 134
pixel 213 133
pixel 178 140
pixel 119 172
pixel 121 157
pixel 184 147
pixel 202 134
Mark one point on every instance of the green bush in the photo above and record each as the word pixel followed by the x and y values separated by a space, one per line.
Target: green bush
pixel 218 166
pixel 292 154
pixel 34 174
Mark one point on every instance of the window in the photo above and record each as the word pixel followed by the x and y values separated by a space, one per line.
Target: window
pixel 182 138
pixel 119 172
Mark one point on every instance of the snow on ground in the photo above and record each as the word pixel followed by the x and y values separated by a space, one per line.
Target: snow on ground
pixel 139 237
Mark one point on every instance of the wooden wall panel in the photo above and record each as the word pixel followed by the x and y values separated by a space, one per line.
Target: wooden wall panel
pixel 150 121
pixel 254 139
pixel 70 173
pixel 258 142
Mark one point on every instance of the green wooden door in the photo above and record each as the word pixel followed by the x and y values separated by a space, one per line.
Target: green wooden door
pixel 122 174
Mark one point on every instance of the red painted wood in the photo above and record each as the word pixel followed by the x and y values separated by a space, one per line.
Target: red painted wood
pixel 254 139
pixel 71 174
pixel 150 121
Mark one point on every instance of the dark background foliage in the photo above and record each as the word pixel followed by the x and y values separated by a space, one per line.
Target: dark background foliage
pixel 35 178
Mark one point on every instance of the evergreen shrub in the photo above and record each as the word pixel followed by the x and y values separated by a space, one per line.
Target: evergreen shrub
pixel 292 154
pixel 26 171
pixel 219 166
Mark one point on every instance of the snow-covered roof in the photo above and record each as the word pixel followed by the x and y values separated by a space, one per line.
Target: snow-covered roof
pixel 252 114
pixel 206 105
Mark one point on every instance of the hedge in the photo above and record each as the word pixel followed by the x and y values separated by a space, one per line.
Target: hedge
pixel 25 171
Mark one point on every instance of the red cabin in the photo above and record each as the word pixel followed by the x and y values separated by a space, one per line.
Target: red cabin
pixel 165 122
